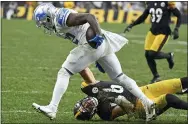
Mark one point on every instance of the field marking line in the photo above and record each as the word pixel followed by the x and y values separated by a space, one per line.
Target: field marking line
pixel 46 78
pixel 28 112
pixel 45 92
pixel 21 31
pixel 37 92
pixel 169 43
pixel 65 112
pixel 143 36
pixel 40 67
pixel 180 50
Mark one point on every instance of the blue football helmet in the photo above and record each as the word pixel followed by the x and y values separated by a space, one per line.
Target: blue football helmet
pixel 44 15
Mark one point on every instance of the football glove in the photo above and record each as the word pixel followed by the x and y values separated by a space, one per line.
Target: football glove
pixel 98 40
pixel 99 67
pixel 176 34
pixel 128 28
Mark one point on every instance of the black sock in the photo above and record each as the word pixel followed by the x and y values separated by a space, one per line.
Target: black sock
pixel 162 55
pixel 152 64
pixel 160 111
pixel 174 102
pixel 184 82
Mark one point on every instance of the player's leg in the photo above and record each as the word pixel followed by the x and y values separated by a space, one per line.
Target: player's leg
pixel 175 102
pixel 163 103
pixel 156 48
pixel 166 101
pixel 111 65
pixel 170 86
pixel 78 59
pixel 150 60
pixel 184 83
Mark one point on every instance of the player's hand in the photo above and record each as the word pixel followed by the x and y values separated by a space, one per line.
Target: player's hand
pixel 128 28
pixel 99 67
pixel 98 40
pixel 176 34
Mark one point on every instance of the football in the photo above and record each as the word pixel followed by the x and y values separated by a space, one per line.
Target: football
pixel 90 34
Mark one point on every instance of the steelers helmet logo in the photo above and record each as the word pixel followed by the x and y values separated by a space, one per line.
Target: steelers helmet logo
pixel 163 4
pixel 95 90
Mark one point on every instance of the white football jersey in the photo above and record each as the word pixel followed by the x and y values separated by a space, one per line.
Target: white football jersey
pixel 76 34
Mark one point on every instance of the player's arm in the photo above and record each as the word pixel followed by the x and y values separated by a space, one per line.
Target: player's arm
pixel 76 19
pixel 88 76
pixel 139 20
pixel 121 101
pixel 117 111
pixel 176 13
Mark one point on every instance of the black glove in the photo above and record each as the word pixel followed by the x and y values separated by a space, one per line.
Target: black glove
pixel 128 28
pixel 175 33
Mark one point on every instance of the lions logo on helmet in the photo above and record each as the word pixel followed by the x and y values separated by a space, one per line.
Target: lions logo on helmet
pixel 44 17
pixel 85 108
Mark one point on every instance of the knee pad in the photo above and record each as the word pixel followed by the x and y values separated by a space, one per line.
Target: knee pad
pixel 64 72
pixel 125 81
pixel 151 54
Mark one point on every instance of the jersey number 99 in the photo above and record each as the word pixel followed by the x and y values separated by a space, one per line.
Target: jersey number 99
pixel 156 14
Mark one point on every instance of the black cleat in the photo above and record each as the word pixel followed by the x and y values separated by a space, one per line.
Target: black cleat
pixel 171 60
pixel 155 79
pixel 184 91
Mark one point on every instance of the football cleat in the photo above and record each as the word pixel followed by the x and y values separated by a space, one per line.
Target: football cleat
pixel 171 60
pixel 46 110
pixel 149 107
pixel 155 79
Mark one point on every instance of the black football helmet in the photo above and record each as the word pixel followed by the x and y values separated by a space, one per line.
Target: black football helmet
pixel 85 108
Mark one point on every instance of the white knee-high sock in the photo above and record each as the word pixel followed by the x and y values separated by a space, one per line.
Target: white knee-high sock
pixel 131 85
pixel 60 87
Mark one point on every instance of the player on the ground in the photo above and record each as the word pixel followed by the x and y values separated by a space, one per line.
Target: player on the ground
pixel 159 33
pixel 110 100
pixel 93 44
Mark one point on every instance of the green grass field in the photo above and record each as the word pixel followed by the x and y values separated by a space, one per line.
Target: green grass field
pixel 31 60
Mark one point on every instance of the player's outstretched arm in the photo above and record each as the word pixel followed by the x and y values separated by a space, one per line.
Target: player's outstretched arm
pixel 76 19
pixel 138 21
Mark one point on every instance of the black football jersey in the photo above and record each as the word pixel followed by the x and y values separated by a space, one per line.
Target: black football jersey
pixel 108 89
pixel 160 17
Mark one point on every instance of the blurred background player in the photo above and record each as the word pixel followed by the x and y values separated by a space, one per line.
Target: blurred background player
pixel 114 101
pixel 159 33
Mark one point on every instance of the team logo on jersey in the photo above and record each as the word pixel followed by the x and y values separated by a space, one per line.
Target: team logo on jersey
pixel 163 4
pixel 95 90
pixel 155 4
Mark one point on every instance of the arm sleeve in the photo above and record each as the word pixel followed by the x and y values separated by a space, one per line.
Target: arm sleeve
pixel 62 17
pixel 104 110
pixel 142 17
pixel 177 13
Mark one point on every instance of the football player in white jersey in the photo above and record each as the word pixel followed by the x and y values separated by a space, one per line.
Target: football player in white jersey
pixel 100 47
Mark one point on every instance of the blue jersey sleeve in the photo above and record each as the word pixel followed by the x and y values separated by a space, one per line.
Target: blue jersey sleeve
pixel 62 16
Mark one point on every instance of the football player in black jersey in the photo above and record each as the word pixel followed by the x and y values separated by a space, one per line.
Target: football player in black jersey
pixel 159 33
pixel 110 100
